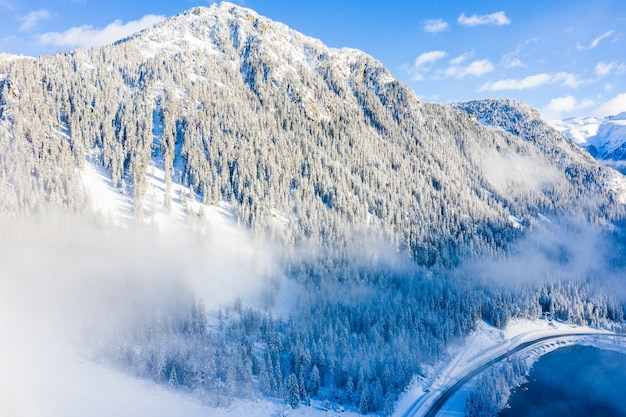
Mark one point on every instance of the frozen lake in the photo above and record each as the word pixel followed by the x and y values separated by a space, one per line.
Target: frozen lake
pixel 573 381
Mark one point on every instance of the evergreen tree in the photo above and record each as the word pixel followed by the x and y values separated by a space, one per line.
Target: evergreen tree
pixel 173 379
pixel 293 391
pixel 315 381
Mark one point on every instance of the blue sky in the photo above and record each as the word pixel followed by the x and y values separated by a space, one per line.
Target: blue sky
pixel 565 58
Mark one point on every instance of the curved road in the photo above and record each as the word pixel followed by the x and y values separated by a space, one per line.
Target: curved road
pixel 445 395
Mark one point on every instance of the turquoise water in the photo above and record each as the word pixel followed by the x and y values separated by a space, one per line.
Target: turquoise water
pixel 573 381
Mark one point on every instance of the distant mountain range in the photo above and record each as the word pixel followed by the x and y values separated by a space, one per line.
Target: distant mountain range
pixel 603 137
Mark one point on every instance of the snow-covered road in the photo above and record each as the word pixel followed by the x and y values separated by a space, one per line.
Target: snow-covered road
pixel 437 396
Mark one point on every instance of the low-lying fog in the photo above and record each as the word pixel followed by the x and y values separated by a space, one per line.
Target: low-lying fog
pixel 67 285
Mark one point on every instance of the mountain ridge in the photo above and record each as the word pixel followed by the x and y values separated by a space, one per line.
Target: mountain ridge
pixel 240 109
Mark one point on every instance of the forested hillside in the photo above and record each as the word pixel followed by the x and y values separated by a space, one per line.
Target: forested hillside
pixel 247 111
pixel 324 153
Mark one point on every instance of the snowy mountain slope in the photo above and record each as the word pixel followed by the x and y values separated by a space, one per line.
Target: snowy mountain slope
pixel 293 135
pixel 604 138
pixel 524 122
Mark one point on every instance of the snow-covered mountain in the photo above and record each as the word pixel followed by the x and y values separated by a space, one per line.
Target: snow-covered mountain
pixel 219 121
pixel 603 137
pixel 301 140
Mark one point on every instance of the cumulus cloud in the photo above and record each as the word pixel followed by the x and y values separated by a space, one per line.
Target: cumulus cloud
pixel 32 19
pixel 596 41
pixel 496 19
pixel 560 106
pixel 436 25
pixel 424 62
pixel 567 79
pixel 612 107
pixel 533 81
pixel 605 68
pixel 87 36
pixel 474 68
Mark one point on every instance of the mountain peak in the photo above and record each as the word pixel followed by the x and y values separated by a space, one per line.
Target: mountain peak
pixel 214 28
pixel 236 108
pixel 244 38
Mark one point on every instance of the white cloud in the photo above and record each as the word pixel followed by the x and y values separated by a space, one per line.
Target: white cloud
pixel 567 79
pixel 511 59
pixel 596 41
pixel 514 63
pixel 436 25
pixel 533 81
pixel 475 68
pixel 423 63
pixel 612 107
pixel 86 36
pixel 496 19
pixel 429 57
pixel 461 58
pixel 605 68
pixel 32 19
pixel 560 106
